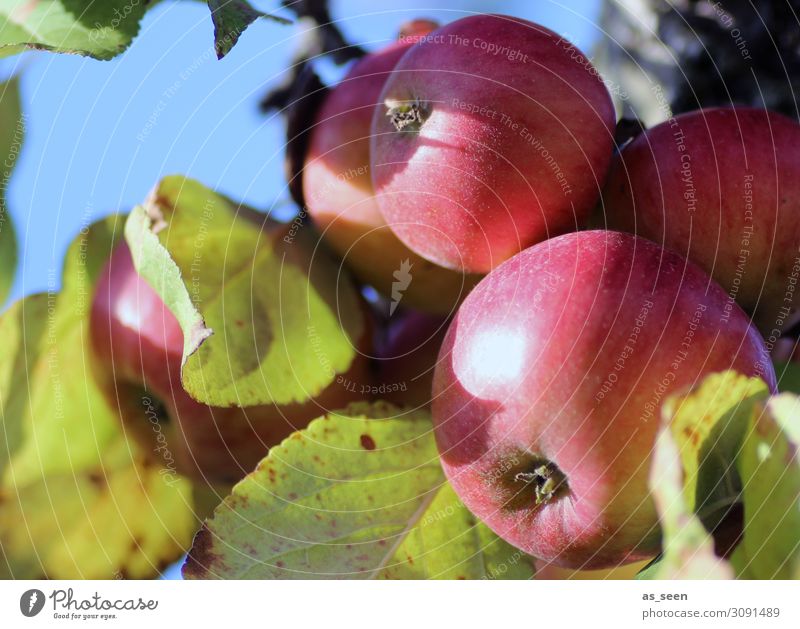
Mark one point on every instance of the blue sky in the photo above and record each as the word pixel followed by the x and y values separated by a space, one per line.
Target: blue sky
pixel 101 134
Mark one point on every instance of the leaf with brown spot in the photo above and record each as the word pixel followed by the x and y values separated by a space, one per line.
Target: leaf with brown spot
pixel 688 549
pixel 694 480
pixel 362 515
pixel 708 425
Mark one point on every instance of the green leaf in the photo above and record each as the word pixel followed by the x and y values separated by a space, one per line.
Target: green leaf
pixel 153 262
pixel 788 377
pixel 693 479
pixel 769 465
pixel 77 500
pixel 687 549
pixel 12 132
pixel 358 494
pixel 44 374
pixel 231 18
pixel 86 27
pixel 708 425
pixel 284 320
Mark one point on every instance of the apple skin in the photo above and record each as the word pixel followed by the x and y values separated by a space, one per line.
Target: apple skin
pixel 407 356
pixel 549 572
pixel 498 152
pixel 337 187
pixel 137 353
pixel 521 383
pixel 744 165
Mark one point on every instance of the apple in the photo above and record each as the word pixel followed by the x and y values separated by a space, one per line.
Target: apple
pixel 493 134
pixel 549 572
pixel 547 391
pixel 407 357
pixel 137 352
pixel 337 188
pixel 722 187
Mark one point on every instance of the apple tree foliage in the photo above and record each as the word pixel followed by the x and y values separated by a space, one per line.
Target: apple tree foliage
pixel 259 326
pixel 356 495
pixel 78 499
pixel 727 442
pixel 98 29
pixel 688 549
pixel 305 512
pixel 12 132
pixel 359 493
pixel 769 466
pixel 104 28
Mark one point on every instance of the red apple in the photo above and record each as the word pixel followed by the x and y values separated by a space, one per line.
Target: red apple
pixel 721 186
pixel 138 348
pixel 549 572
pixel 407 357
pixel 494 134
pixel 337 188
pixel 548 388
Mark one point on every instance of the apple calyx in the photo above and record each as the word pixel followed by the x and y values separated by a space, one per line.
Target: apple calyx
pixel 407 115
pixel 547 481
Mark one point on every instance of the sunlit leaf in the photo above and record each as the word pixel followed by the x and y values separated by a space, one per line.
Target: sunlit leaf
pixel 708 425
pixel 687 548
pixel 267 314
pixel 693 479
pixel 86 27
pixel 358 494
pixel 769 465
pixel 77 499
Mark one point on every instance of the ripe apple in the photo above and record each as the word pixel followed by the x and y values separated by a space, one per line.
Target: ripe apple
pixel 722 187
pixel 493 134
pixel 337 188
pixel 547 392
pixel 138 349
pixel 407 357
pixel 549 572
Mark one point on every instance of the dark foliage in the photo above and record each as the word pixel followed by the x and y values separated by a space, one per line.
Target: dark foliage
pixel 733 52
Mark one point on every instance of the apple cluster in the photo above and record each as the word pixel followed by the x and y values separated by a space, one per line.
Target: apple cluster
pixel 456 172
pixel 491 158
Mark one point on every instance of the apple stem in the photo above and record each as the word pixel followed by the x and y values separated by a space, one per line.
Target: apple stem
pixel 407 115
pixel 547 481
